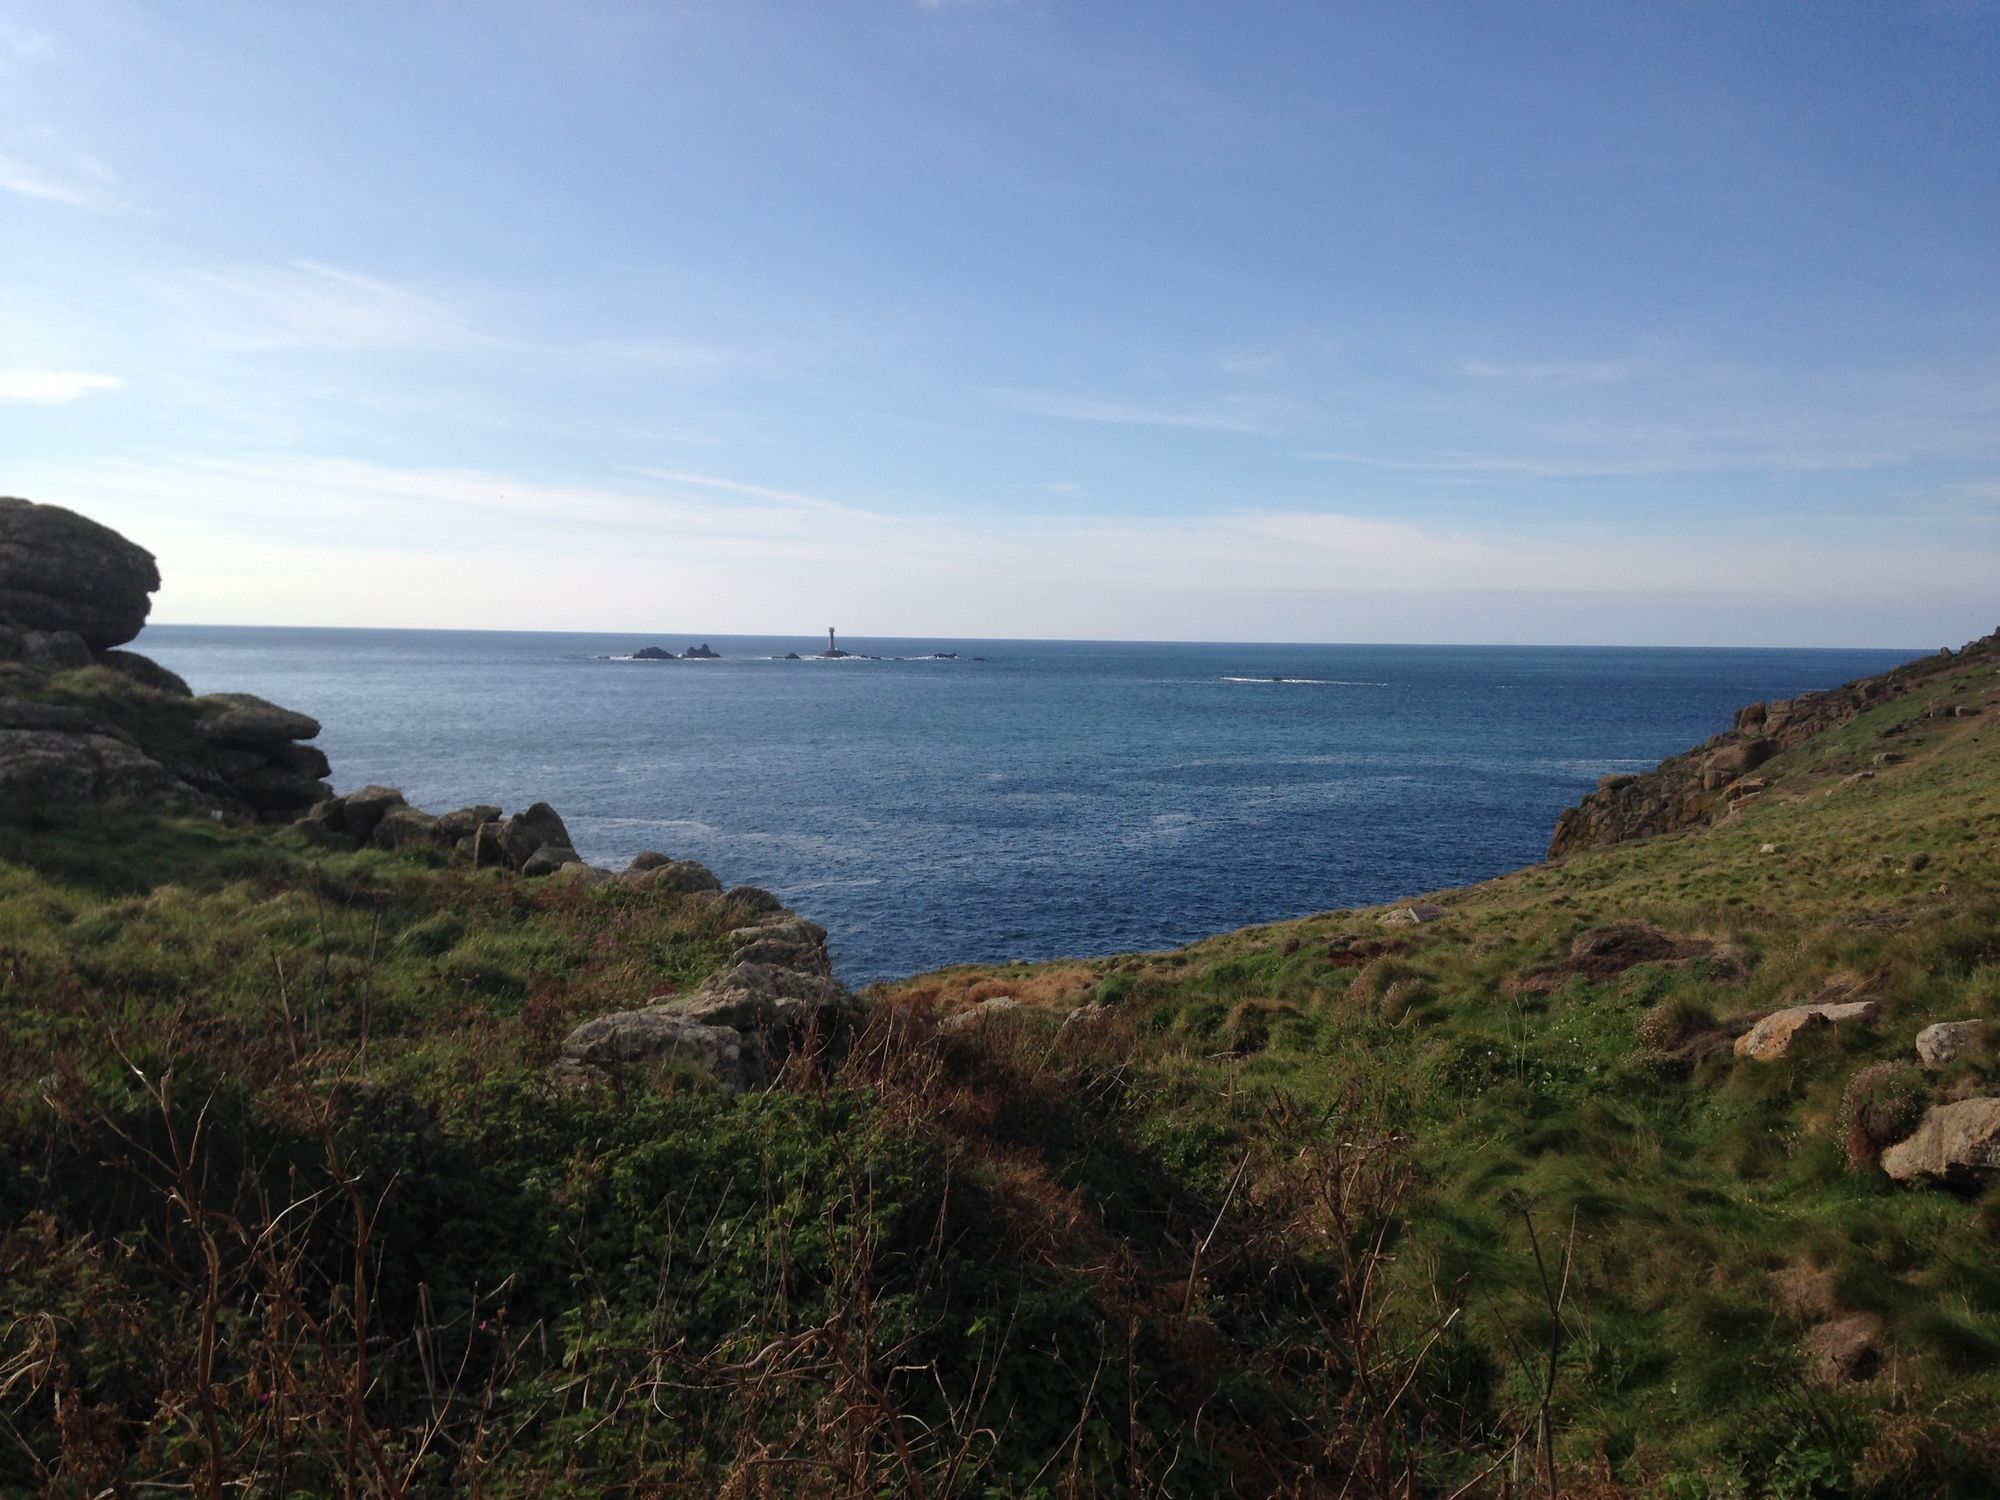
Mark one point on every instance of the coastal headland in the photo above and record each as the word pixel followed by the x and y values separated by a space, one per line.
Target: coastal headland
pixel 353 1147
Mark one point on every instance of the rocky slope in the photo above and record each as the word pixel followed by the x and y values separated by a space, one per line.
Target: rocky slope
pixel 1713 779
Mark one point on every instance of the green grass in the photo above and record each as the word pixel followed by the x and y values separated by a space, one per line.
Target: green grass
pixel 249 1088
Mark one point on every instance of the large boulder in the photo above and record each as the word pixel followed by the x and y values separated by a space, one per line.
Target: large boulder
pixel 660 1034
pixel 779 1002
pixel 683 875
pixel 61 571
pixel 1772 1037
pixel 1944 1043
pixel 462 823
pixel 526 832
pixel 793 943
pixel 40 768
pixel 244 719
pixel 1955 1141
pixel 357 813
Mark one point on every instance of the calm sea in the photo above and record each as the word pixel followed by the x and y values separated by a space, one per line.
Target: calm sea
pixel 1055 798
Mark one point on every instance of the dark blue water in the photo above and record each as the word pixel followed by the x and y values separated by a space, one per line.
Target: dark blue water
pixel 1057 798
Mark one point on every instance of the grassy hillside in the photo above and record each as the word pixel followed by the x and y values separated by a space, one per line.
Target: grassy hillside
pixel 290 1203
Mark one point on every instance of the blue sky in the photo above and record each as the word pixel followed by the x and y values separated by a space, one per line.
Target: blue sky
pixel 1596 322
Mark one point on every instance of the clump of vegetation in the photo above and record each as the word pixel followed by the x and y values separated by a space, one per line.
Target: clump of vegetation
pixel 1880 1106
pixel 1672 1021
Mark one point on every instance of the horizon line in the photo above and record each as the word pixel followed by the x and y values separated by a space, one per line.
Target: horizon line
pixel 698 637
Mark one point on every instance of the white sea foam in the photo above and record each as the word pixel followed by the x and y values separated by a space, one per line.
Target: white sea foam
pixel 1306 681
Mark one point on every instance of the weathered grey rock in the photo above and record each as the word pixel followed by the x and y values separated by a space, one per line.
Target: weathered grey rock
pixel 588 876
pixel 25 713
pixel 754 900
pixel 1772 1037
pixel 279 794
pixel 463 822
pixel 661 1034
pixel 403 827
pixel 532 829
pixel 768 998
pixel 361 811
pixel 975 1015
pixel 308 761
pixel 550 858
pixel 649 859
pixel 61 571
pixel 244 719
pixel 1723 766
pixel 489 846
pixel 1955 1141
pixel 1085 1015
pixel 43 767
pixel 1412 916
pixel 56 650
pixel 675 875
pixel 145 671
pixel 793 943
pixel 1943 1044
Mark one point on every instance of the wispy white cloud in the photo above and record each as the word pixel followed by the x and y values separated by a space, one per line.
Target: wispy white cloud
pixel 82 183
pixel 1268 416
pixel 1247 364
pixel 667 355
pixel 309 305
pixel 427 546
pixel 52 385
pixel 1559 372
pixel 757 492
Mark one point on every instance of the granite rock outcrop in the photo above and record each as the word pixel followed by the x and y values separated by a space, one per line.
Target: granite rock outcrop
pixel 84 721
pixel 63 572
pixel 1705 783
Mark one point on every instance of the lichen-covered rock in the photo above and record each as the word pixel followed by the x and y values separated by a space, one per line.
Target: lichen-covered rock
pixel 661 1034
pixel 984 1011
pixel 62 571
pixel 244 719
pixel 55 650
pixel 1943 1044
pixel 769 998
pixel 1773 1036
pixel 1413 916
pixel 682 875
pixel 41 768
pixel 792 943
pixel 1954 1141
